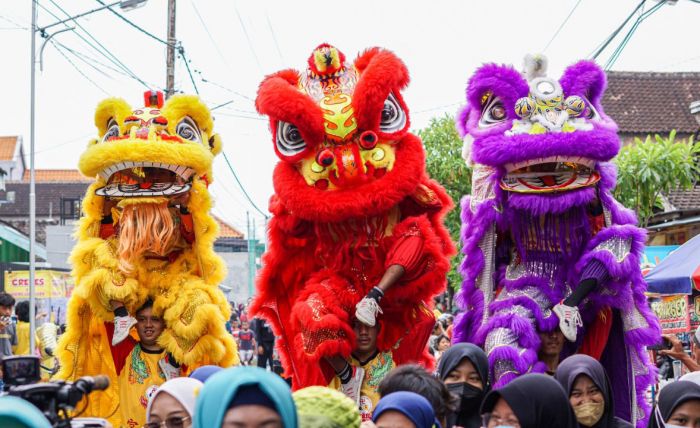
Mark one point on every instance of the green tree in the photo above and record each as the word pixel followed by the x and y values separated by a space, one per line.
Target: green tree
pixel 651 168
pixel 443 148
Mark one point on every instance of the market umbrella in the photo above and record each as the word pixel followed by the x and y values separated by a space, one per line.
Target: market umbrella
pixel 679 272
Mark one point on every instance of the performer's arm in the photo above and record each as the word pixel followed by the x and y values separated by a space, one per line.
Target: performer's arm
pixel 120 352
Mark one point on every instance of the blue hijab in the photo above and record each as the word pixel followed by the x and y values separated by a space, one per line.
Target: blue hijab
pixel 221 389
pixel 413 406
pixel 18 413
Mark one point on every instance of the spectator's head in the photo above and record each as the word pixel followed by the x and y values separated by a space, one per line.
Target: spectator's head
pixel 404 409
pixel 437 329
pixel 235 324
pixel 245 397
pixel 18 413
pixel 442 343
pixel 318 406
pixel 149 326
pixel 245 325
pixel 530 401
pixel 678 406
pixel 203 373
pixel 173 403
pixel 414 378
pixel 464 369
pixel 590 394
pixel 22 311
pixel 7 303
pixel 551 343
pixel 365 339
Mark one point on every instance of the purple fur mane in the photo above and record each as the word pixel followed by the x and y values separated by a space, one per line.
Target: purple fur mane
pixel 524 250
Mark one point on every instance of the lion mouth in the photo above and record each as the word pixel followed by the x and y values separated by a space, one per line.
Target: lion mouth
pixel 138 179
pixel 552 174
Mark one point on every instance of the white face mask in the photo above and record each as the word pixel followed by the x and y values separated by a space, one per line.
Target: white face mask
pixel 660 420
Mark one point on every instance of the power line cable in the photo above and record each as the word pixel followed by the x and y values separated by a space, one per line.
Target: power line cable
pixel 247 37
pixel 230 167
pixel 610 38
pixel 211 38
pixel 227 89
pixel 274 37
pixel 92 60
pixel 181 51
pixel 132 24
pixel 618 51
pixel 103 51
pixel 81 57
pixel 78 69
pixel 556 33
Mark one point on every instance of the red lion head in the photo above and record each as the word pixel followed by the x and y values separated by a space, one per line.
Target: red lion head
pixel 341 132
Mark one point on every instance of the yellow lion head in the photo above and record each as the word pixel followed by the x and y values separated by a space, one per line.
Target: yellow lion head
pixel 153 151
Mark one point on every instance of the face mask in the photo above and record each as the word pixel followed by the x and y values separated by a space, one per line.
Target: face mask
pixel 469 395
pixel 589 414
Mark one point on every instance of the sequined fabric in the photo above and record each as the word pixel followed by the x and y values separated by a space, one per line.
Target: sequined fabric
pixel 311 339
pixel 619 247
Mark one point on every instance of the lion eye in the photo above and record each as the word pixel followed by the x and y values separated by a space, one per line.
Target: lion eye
pixel 289 139
pixel 188 130
pixel 393 118
pixel 493 113
pixel 112 130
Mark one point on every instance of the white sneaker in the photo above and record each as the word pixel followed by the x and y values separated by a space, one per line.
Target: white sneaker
pixel 122 325
pixel 168 369
pixel 569 320
pixel 366 311
pixel 354 385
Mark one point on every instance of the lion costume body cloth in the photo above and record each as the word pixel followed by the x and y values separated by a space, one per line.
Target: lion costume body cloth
pixel 541 218
pixel 352 198
pixel 137 241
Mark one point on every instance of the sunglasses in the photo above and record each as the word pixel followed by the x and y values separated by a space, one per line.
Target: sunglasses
pixel 171 422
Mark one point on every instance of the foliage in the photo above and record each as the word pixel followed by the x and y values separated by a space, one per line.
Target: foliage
pixel 443 147
pixel 651 168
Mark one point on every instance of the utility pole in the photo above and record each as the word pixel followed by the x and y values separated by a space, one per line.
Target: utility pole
pixel 170 73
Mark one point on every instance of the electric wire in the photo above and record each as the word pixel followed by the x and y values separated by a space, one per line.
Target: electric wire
pixel 556 33
pixel 247 37
pixel 78 69
pixel 181 51
pixel 104 51
pixel 211 38
pixel 274 36
pixel 610 38
pixel 81 57
pixel 230 167
pixel 134 25
pixel 618 51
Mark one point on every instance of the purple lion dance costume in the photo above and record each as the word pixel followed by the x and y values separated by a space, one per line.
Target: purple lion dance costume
pixel 546 245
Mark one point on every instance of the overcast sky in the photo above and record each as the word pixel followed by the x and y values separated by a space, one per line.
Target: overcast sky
pixel 233 44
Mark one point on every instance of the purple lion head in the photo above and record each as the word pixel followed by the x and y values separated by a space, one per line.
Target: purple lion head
pixel 546 139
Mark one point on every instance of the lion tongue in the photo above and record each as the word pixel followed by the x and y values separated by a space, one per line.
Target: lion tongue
pixel 145 185
pixel 548 180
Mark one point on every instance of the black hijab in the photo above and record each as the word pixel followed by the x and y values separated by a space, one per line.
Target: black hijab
pixel 580 364
pixel 467 415
pixel 537 400
pixel 670 397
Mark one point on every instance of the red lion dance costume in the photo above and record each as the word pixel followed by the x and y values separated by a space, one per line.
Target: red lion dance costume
pixel 352 198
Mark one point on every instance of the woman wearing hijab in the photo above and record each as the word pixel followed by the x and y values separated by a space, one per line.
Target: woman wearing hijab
pixel 590 393
pixel 406 410
pixel 464 369
pixel 18 413
pixel 173 403
pixel 678 406
pixel 530 401
pixel 245 397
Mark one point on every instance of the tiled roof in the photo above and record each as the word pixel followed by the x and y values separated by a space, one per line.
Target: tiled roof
pixel 57 176
pixel 226 230
pixel 685 200
pixel 652 102
pixel 7 147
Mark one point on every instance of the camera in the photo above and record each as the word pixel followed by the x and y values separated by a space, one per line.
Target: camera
pixel 55 399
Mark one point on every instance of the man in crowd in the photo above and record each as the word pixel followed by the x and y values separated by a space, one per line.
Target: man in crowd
pixel 691 362
pixel 8 331
pixel 372 364
pixel 141 365
pixel 265 339
pixel 551 345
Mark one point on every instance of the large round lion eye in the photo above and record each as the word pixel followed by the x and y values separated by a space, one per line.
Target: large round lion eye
pixel 393 118
pixel 590 112
pixel 289 140
pixel 493 113
pixel 112 130
pixel 188 130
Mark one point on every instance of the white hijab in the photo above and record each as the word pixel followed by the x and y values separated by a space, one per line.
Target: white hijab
pixel 183 389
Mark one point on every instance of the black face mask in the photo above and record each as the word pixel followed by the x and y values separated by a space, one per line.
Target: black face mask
pixel 470 399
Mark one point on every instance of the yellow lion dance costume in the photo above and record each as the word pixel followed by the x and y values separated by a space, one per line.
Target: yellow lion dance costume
pixel 143 160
